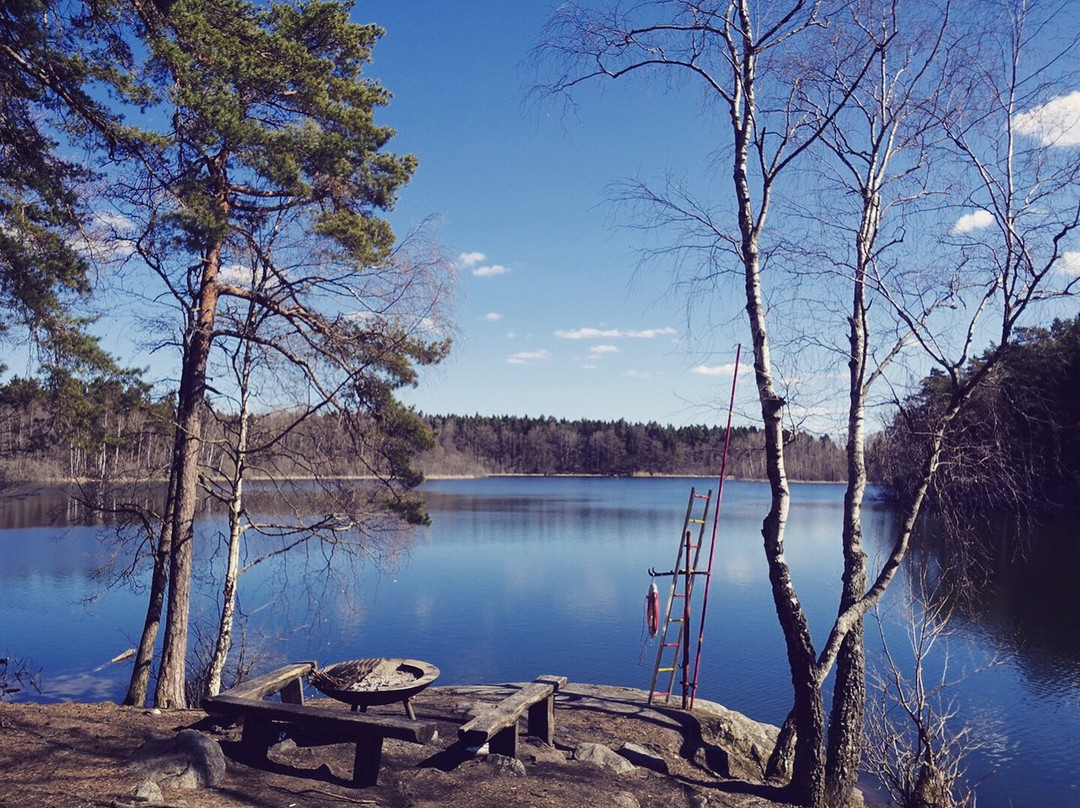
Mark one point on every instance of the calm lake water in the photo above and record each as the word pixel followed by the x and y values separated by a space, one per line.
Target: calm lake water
pixel 518 577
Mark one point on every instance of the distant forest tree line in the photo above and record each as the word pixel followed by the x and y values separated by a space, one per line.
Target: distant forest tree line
pixel 114 429
pixel 109 430
pixel 520 445
pixel 1016 448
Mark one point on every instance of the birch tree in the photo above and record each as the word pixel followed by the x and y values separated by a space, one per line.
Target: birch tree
pixel 873 108
pixel 735 50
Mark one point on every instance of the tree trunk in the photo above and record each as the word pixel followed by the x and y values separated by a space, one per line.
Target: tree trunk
pixel 236 534
pixel 228 609
pixel 170 691
pixel 139 685
pixel 808 767
pixel 844 754
pixel 845 741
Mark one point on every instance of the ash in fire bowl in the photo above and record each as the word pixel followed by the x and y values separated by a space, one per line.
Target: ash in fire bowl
pixel 381 680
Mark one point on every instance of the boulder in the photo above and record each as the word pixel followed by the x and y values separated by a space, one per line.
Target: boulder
pixel 148 791
pixel 502 764
pixel 599 755
pixel 187 760
pixel 646 758
pixel 732 744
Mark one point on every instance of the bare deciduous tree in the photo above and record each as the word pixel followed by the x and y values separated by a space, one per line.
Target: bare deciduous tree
pixel 885 109
pixel 918 743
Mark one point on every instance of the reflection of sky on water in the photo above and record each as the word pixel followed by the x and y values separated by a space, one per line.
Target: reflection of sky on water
pixel 522 576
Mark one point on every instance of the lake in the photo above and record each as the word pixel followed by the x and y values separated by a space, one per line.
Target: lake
pixel 518 577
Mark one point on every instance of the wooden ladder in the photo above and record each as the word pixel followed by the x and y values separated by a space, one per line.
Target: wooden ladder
pixel 674 655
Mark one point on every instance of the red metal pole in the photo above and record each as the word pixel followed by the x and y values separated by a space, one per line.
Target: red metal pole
pixel 688 582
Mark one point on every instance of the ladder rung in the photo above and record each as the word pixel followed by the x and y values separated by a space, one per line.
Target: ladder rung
pixel 664 670
pixel 696 521
pixel 671 645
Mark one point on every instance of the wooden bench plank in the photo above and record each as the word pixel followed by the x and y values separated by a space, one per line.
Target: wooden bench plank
pixel 263 720
pixel 498 725
pixel 341 721
pixel 283 680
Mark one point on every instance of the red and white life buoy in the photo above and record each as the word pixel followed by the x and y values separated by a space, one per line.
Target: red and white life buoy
pixel 652 609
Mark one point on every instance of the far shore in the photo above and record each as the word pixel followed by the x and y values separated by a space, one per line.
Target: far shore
pixel 637 475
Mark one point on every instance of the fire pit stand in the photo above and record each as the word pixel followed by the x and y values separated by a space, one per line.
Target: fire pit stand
pixel 368 682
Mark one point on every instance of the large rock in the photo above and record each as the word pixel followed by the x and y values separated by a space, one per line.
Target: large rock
pixel 148 791
pixel 719 739
pixel 642 756
pixel 187 760
pixel 734 742
pixel 502 764
pixel 599 755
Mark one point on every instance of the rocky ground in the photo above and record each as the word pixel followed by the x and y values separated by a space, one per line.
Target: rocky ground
pixel 75 755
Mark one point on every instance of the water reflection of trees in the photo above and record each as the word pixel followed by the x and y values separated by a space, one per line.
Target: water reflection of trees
pixel 105 504
pixel 1015 578
pixel 61 507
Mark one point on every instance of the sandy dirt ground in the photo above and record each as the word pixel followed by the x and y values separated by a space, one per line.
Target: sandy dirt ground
pixel 75 755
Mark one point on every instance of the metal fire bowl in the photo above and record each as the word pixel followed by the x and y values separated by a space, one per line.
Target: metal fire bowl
pixel 366 683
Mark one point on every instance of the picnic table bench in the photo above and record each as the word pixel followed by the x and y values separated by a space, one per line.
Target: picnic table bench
pixel 498 727
pixel 263 721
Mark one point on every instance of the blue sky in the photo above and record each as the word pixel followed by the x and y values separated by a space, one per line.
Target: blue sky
pixel 554 317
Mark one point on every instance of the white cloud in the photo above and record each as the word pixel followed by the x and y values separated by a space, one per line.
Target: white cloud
pixel 362 316
pixel 715 370
pixel 109 237
pixel 114 221
pixel 651 332
pixel 470 259
pixel 430 325
pixel 238 275
pixel 973 221
pixel 613 333
pixel 527 357
pixel 1055 123
pixel 596 351
pixel 589 333
pixel 490 271
pixel 493 317
pixel 1069 263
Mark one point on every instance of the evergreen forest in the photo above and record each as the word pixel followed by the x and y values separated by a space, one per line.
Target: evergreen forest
pixel 60 430
pixel 1015 446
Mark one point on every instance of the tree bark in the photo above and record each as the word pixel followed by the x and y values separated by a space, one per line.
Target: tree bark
pixel 139 685
pixel 170 691
pixel 845 737
pixel 808 768
pixel 236 534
